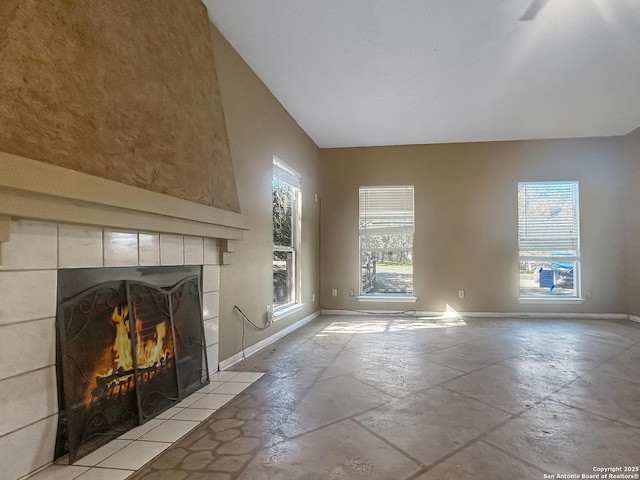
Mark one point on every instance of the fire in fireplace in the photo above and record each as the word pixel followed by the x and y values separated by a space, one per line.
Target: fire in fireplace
pixel 114 373
pixel 128 350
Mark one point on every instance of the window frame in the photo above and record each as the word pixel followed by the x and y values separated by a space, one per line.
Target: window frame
pixel 574 259
pixel 386 297
pixel 287 175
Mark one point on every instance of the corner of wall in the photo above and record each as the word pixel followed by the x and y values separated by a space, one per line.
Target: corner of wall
pixel 632 152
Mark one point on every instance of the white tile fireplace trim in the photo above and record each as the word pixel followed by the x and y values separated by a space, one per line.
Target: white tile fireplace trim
pixel 120 458
pixel 37 190
pixel 28 286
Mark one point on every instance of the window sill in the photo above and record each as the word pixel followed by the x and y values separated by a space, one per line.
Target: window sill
pixel 288 310
pixel 388 298
pixel 555 301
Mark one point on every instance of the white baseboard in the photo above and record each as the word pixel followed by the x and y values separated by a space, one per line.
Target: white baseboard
pixel 233 359
pixel 583 316
pixel 634 318
pixel 590 316
pixel 408 313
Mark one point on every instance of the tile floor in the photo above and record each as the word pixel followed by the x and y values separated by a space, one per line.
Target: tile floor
pixel 402 398
pixel 120 458
pixel 419 399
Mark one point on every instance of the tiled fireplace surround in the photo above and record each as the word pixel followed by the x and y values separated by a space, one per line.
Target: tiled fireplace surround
pixel 33 249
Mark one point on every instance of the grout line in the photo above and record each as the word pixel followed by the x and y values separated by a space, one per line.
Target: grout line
pixel 27 270
pixel 486 404
pixel 586 410
pixel 28 425
pixel 384 440
pixel 416 475
pixel 102 247
pixel 57 246
pixel 509 454
pixel 21 322
pixel 27 373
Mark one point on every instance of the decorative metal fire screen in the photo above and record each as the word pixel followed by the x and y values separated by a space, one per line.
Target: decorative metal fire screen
pixel 128 350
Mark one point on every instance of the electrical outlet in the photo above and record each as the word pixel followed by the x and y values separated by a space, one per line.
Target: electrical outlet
pixel 313 297
pixel 460 293
pixel 268 308
pixel 316 197
pixel 352 292
pixel 334 292
pixel 589 294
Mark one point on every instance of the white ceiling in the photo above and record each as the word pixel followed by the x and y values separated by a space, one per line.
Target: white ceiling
pixel 390 72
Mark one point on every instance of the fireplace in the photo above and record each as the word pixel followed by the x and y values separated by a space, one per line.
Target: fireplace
pixel 53 219
pixel 130 345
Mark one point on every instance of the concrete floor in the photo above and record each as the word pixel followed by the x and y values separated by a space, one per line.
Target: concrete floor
pixel 408 398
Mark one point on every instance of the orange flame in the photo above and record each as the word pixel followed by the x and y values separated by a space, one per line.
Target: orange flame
pixel 153 351
pixel 122 358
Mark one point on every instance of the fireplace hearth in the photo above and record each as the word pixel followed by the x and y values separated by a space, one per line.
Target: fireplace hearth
pixel 130 346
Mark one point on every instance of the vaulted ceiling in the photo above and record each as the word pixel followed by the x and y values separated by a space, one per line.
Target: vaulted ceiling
pixel 382 72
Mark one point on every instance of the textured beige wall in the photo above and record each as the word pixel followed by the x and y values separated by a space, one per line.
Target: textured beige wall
pixel 259 127
pixel 122 90
pixel 466 220
pixel 632 144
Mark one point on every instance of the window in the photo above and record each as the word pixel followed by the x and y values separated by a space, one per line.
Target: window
pixel 286 235
pixel 549 240
pixel 386 241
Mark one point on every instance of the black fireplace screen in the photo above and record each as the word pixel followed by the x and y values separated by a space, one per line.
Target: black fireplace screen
pixel 128 350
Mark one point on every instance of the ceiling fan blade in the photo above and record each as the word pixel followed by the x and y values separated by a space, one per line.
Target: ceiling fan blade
pixel 533 10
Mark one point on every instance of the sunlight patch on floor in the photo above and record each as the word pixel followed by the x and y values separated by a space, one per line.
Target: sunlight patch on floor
pixel 449 318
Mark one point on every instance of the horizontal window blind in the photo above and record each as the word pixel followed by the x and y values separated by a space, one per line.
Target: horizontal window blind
pixel 548 223
pixel 386 210
pixel 286 174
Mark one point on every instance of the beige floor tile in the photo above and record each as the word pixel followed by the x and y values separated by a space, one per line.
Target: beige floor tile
pixel 194 414
pixel 507 388
pixel 103 453
pixel 210 388
pixel 432 424
pixel 212 401
pixel 411 375
pixel 231 388
pixel 223 376
pixel 249 377
pixel 331 400
pixel 624 366
pixel 167 414
pixel 141 430
pixel 135 455
pixel 170 431
pixel 467 357
pixel 60 472
pixel 605 395
pixel 343 450
pixel 560 439
pixel 106 474
pixel 480 461
pixel 190 400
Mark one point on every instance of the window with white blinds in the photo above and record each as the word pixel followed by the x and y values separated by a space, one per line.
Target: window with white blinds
pixel 549 239
pixel 548 223
pixel 386 210
pixel 386 225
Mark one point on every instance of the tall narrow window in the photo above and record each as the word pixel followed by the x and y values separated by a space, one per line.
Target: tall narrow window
pixel 549 240
pixel 286 235
pixel 386 240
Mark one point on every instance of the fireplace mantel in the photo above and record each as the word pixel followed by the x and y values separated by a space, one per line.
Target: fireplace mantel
pixel 36 190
